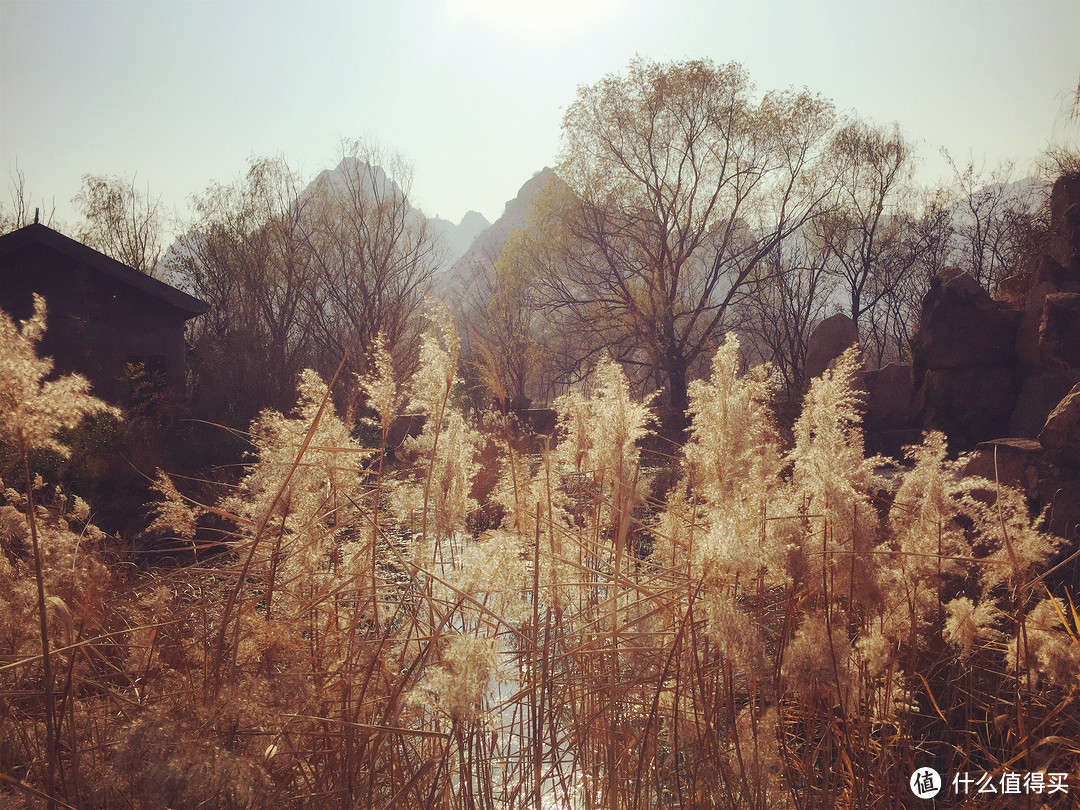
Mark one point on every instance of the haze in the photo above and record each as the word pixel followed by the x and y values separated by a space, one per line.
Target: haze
pixel 472 92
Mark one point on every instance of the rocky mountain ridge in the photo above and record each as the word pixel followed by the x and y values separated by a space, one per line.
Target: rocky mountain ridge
pixel 456 238
pixel 457 284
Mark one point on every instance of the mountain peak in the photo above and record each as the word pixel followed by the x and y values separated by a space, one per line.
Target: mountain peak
pixel 516 208
pixel 474 222
pixel 491 240
pixel 457 238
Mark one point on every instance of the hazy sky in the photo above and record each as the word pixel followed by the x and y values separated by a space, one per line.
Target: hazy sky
pixel 472 92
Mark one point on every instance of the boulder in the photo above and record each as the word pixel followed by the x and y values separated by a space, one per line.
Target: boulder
pixel 1027 335
pixel 965 366
pixel 1061 277
pixel 1060 436
pixel 1012 462
pixel 1061 499
pixel 1059 330
pixel 1048 338
pixel 1039 393
pixel 889 411
pixel 828 341
pixel 969 405
pixel 1063 236
pixel 962 326
pixel 889 391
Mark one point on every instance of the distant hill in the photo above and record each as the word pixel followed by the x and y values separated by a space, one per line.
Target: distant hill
pixel 456 239
pixel 489 243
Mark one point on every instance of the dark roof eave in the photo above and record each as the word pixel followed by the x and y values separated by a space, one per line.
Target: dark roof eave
pixel 188 305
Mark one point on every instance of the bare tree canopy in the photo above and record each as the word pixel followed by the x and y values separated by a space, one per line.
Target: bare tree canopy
pixel 301 275
pixel 374 255
pixel 778 318
pixel 120 221
pixel 683 182
pixel 864 235
pixel 245 254
pixel 504 337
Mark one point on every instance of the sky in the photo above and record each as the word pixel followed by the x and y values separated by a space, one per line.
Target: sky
pixel 180 94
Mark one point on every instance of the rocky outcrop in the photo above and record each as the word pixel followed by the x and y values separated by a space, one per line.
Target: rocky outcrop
pixel 1061 265
pixel 984 369
pixel 1060 436
pixel 1059 328
pixel 830 339
pixel 1060 497
pixel 887 391
pixel 965 353
pixel 961 326
pixel 1048 340
pixel 969 405
pixel 1040 391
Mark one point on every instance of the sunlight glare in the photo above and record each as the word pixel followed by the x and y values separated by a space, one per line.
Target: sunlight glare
pixel 547 16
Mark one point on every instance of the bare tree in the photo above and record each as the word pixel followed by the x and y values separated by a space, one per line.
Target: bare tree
pixel 929 236
pixel 247 255
pixel 1062 158
pixel 374 255
pixel 990 218
pixel 23 212
pixel 504 336
pixel 793 297
pixel 682 186
pixel 120 221
pixel 300 275
pixel 865 236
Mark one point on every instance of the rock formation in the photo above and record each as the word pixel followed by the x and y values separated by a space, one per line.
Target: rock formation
pixel 1000 380
pixel 1060 436
pixel 1005 380
pixel 965 353
pixel 828 341
pixel 984 369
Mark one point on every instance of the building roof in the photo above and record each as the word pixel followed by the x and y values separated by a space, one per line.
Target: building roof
pixel 38 234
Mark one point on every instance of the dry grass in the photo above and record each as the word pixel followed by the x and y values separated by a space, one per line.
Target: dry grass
pixel 778 632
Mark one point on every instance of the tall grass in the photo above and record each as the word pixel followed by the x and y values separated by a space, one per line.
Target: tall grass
pixel 783 628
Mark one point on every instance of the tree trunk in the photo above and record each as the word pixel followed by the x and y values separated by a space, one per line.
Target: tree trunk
pixel 673 419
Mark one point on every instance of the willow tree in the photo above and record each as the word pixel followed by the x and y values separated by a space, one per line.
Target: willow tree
pixel 505 340
pixel 121 221
pixel 683 182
